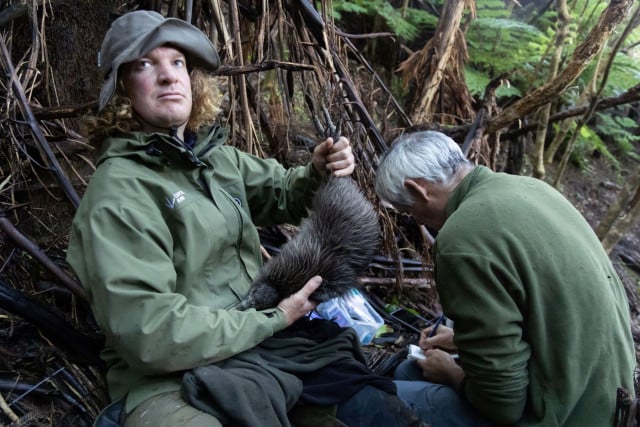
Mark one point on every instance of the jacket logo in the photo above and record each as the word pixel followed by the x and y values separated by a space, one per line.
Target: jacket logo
pixel 176 198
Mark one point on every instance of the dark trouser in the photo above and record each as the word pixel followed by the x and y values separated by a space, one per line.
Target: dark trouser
pixel 436 404
pixel 372 407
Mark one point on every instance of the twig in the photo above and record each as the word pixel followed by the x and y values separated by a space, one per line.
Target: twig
pixel 17 399
pixel 21 240
pixel 399 110
pixel 314 23
pixel 35 129
pixel 63 112
pixel 8 412
pixel 387 281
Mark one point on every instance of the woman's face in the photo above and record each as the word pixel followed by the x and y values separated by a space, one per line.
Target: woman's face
pixel 159 88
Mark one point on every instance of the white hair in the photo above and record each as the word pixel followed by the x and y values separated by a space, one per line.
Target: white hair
pixel 429 155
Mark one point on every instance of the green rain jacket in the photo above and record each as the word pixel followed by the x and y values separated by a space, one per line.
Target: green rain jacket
pixel 164 242
pixel 541 318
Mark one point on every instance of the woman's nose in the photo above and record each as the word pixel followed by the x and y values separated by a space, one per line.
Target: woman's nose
pixel 167 73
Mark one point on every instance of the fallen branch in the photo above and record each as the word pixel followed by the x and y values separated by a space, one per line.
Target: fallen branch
pixel 22 241
pixel 630 95
pixel 79 347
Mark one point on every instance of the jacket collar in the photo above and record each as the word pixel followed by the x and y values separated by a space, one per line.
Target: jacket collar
pixel 161 148
pixel 466 185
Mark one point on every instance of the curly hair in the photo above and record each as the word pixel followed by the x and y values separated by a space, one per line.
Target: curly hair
pixel 118 114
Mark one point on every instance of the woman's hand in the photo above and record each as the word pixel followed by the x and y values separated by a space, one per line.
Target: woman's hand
pixel 439 367
pixel 297 305
pixel 333 157
pixel 443 338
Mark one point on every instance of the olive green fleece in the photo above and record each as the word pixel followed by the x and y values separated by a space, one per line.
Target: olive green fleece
pixel 164 242
pixel 541 318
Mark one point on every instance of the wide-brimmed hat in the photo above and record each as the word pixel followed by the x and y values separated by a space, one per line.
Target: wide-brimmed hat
pixel 137 33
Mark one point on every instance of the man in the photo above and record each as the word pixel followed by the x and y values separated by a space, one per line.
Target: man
pixel 540 317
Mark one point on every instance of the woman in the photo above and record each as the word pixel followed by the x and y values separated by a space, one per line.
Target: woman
pixel 164 240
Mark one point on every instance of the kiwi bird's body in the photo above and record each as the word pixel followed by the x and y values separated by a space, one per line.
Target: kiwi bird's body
pixel 337 241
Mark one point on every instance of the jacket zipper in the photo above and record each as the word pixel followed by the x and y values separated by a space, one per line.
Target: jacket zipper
pixel 210 145
pixel 188 152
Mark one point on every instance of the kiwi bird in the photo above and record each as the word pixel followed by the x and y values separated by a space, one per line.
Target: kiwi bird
pixel 336 241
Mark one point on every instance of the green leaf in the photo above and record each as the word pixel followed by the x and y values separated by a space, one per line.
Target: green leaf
pixel 477 82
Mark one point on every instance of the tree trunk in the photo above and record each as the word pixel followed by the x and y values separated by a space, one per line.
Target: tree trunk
pixel 562 33
pixel 615 211
pixel 441 60
pixel 624 224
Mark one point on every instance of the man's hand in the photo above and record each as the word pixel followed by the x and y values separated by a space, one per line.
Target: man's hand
pixel 439 367
pixel 443 339
pixel 297 305
pixel 333 157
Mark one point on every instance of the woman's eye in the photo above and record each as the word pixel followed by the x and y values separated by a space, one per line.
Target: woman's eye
pixel 143 64
pixel 180 62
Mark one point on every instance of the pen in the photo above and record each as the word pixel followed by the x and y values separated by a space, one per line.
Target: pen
pixel 435 325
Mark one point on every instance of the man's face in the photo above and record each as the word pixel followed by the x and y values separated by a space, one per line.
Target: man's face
pixel 430 201
pixel 159 87
pixel 423 214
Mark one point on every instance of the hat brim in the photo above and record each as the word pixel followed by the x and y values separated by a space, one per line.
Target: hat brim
pixel 185 37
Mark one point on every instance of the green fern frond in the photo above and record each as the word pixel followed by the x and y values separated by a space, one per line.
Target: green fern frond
pixel 500 45
pixel 406 27
pixel 619 129
pixel 624 73
pixel 587 141
pixel 492 9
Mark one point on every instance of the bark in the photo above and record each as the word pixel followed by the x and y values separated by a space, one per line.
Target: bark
pixel 606 231
pixel 615 12
pixel 624 224
pixel 629 96
pixel 566 126
pixel 437 70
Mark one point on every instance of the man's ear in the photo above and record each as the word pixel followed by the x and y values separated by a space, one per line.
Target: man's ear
pixel 417 188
